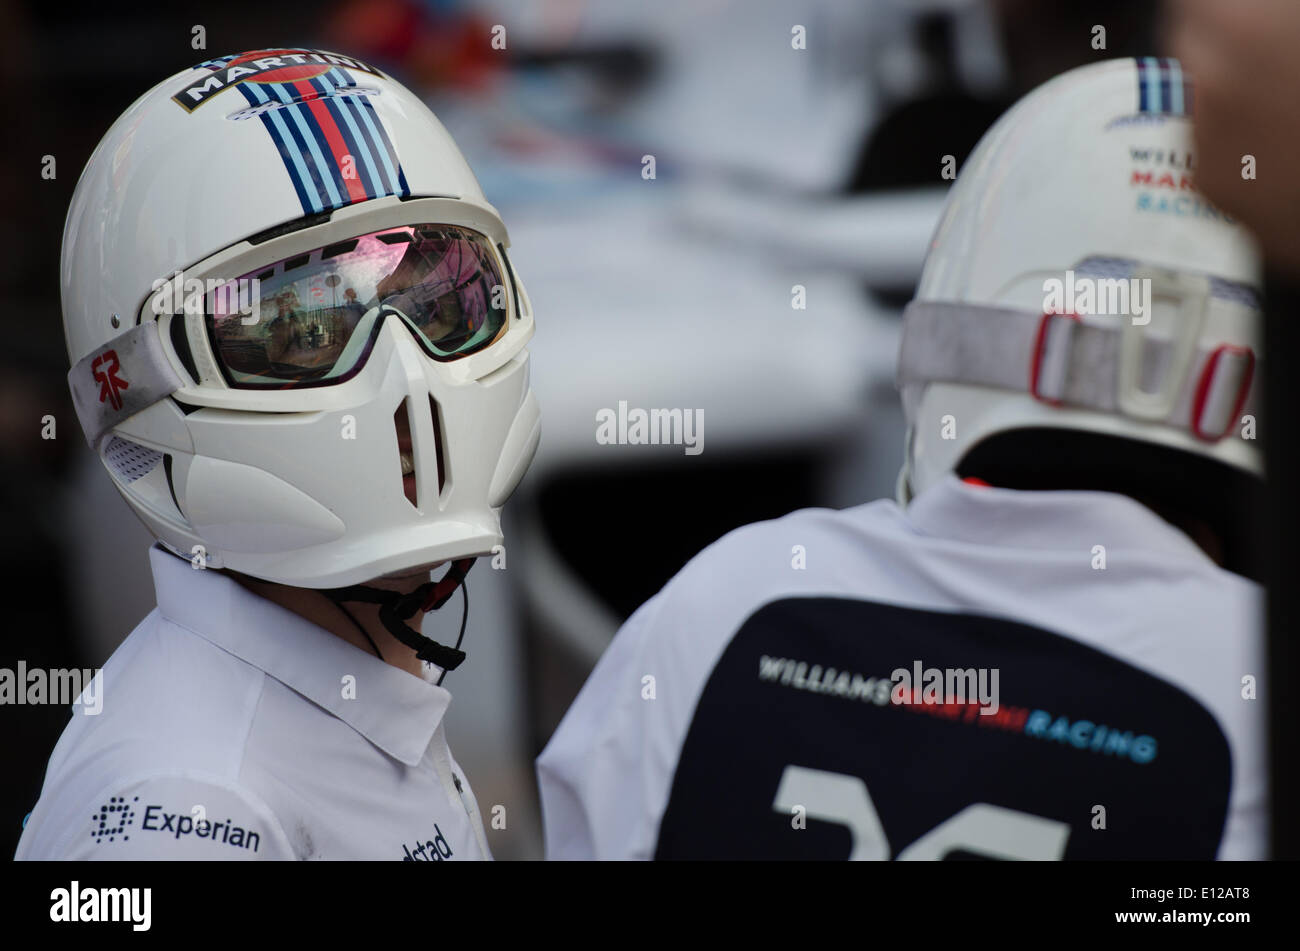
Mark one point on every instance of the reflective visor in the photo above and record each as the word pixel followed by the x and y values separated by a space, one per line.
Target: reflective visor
pixel 318 314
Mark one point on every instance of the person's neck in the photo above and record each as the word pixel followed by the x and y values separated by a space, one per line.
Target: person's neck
pixel 315 607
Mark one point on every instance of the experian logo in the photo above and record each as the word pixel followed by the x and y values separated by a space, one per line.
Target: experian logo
pixel 116 819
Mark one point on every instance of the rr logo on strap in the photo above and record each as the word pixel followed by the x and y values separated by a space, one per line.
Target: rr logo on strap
pixel 105 369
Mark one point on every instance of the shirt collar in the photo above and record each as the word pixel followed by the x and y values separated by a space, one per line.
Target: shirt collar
pixel 1053 520
pixel 394 710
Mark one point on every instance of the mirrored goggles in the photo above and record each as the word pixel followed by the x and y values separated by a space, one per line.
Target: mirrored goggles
pixel 312 319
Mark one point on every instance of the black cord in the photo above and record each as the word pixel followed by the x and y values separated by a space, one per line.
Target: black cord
pixel 395 626
pixel 364 632
pixel 464 616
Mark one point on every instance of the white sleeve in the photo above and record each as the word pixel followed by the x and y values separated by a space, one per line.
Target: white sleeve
pixel 158 817
pixel 592 801
pixel 606 774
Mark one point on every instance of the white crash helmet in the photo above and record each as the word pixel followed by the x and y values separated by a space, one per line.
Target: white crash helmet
pixel 1027 315
pixel 352 284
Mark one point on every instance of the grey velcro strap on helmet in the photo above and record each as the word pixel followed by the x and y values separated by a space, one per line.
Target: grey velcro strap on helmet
pixel 1060 359
pixel 119 379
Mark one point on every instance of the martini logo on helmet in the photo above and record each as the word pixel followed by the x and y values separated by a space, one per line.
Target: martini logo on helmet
pixel 263 66
pixel 105 369
pixel 335 147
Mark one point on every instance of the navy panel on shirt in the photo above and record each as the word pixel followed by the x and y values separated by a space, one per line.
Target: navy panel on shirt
pixel 804 683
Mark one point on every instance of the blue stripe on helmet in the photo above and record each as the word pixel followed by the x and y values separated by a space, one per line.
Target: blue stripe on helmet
pixel 395 178
pixel 360 147
pixel 306 152
pixel 290 154
pixel 1149 77
pixel 1176 87
pixel 309 138
pixel 1166 93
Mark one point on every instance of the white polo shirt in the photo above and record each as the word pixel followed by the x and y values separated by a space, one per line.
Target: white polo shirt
pixel 232 728
pixel 746 712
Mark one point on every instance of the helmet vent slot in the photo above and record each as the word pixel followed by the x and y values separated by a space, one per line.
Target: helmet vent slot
pixel 436 414
pixel 171 483
pixel 128 460
pixel 406 451
pixel 404 422
pixel 310 221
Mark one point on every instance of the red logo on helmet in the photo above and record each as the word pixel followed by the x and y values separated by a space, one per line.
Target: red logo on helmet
pixel 285 67
pixel 277 66
pixel 105 367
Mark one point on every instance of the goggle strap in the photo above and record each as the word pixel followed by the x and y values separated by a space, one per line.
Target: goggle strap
pixel 1064 362
pixel 119 379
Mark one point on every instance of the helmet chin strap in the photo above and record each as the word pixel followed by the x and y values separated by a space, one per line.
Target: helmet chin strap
pixel 396 609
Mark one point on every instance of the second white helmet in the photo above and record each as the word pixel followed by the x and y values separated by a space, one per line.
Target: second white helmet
pixel 1077 282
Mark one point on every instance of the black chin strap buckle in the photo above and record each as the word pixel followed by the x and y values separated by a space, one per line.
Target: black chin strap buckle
pixel 440 655
pixel 396 609
pixel 394 616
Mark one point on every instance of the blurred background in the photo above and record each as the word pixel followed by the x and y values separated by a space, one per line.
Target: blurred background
pixel 783 176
